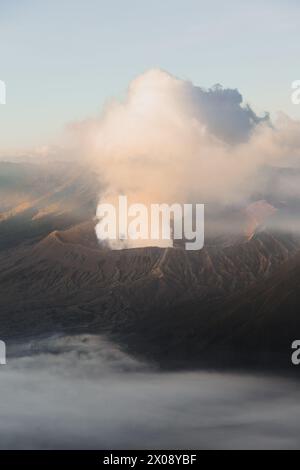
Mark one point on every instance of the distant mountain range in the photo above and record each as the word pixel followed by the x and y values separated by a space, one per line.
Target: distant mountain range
pixel 233 304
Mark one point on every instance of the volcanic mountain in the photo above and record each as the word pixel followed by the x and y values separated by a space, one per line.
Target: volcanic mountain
pixel 230 304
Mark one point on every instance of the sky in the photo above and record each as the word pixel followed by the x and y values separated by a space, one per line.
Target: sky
pixel 62 60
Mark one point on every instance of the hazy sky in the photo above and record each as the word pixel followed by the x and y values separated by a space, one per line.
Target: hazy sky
pixel 62 59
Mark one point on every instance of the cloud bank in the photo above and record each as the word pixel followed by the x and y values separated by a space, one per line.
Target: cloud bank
pixel 170 140
pixel 82 392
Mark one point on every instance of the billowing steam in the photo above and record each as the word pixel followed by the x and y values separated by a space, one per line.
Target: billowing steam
pixel 171 141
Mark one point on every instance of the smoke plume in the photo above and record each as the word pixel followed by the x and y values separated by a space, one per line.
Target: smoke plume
pixel 171 141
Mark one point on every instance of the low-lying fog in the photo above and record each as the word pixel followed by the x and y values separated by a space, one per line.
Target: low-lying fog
pixel 84 393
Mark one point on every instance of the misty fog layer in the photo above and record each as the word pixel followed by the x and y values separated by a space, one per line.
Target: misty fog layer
pixel 84 393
